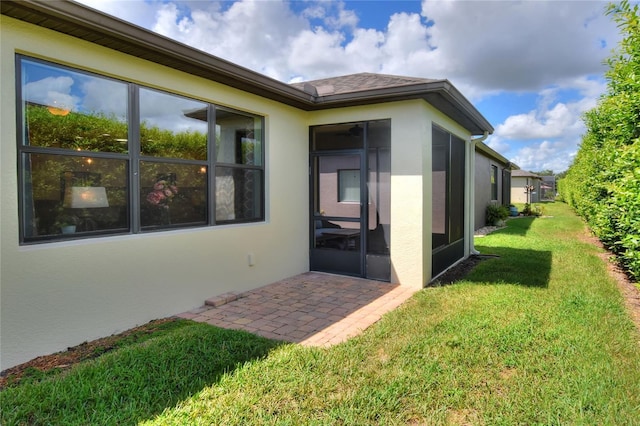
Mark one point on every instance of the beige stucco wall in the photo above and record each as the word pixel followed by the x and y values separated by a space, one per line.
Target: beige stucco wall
pixel 411 204
pixel 59 294
pixel 483 187
pixel 518 194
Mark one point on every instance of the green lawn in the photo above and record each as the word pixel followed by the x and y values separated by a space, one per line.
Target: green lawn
pixel 536 336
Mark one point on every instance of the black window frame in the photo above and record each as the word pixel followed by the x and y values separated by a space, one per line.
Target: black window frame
pixel 134 158
pixel 494 182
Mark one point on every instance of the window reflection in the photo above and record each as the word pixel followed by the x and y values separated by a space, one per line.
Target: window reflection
pixel 73 110
pixel 172 194
pixel 80 156
pixel 238 138
pixel 238 194
pixel 172 126
pixel 68 195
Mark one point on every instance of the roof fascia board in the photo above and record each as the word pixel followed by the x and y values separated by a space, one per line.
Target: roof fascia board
pixel 486 149
pixel 413 91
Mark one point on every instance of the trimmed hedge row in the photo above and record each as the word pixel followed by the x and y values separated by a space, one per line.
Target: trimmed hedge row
pixel 603 183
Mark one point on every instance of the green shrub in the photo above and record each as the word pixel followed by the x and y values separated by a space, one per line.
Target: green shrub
pixel 603 183
pixel 496 213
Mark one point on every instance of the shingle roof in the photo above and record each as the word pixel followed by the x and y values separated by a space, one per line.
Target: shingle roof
pixel 359 82
pixel 524 173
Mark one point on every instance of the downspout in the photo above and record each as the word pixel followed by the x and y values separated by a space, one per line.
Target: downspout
pixel 472 190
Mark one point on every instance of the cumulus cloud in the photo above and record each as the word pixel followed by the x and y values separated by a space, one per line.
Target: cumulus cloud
pixel 519 45
pixel 545 155
pixel 548 136
pixel 561 119
pixel 52 91
pixel 484 47
pixel 254 34
pixel 498 144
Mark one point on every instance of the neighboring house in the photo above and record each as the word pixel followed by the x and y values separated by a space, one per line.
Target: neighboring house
pixel 141 176
pixel 492 182
pixel 525 187
pixel 548 188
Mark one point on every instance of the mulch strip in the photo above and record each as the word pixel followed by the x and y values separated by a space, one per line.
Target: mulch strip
pixel 66 359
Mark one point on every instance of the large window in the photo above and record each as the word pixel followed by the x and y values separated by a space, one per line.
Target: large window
pixel 100 156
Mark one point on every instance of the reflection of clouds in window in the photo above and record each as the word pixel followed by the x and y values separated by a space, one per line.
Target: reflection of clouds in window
pixel 167 112
pixel 51 91
pixel 74 91
pixel 105 96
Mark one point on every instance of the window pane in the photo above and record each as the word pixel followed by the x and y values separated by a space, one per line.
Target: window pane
pixel 67 196
pixel 494 183
pixel 456 189
pixel 349 186
pixel 73 110
pixel 379 188
pixel 440 184
pixel 172 126
pixel 340 136
pixel 172 194
pixel 238 138
pixel 327 193
pixel 238 194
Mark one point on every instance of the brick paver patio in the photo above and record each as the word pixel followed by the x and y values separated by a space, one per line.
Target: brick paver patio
pixel 313 308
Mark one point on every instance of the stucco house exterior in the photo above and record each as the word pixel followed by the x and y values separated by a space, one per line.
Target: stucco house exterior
pixel 525 187
pixel 492 181
pixel 141 176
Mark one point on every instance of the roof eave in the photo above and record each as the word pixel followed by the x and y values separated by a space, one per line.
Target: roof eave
pixel 440 93
pixel 486 149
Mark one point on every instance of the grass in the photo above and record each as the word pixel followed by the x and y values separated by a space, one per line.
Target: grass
pixel 48 366
pixel 536 336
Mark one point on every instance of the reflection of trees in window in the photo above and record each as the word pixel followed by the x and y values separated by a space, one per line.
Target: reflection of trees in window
pixel 75 131
pixel 67 132
pixel 169 129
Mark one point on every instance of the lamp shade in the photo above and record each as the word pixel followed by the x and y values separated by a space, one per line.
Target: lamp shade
pixel 86 197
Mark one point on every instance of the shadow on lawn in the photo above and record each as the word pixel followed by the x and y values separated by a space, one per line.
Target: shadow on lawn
pixel 518 225
pixel 530 268
pixel 136 383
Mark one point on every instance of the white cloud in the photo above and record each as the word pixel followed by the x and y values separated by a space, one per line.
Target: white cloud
pixel 522 46
pixel 548 136
pixel 484 47
pixel 552 123
pixel 51 91
pixel 498 144
pixel 546 155
pixel 105 96
pixel 254 34
pixel 481 46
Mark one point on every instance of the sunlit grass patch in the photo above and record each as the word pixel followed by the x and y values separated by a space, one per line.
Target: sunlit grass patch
pixel 536 336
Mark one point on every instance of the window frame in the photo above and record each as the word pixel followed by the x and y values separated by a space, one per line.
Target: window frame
pixel 133 158
pixel 494 182
pixel 345 179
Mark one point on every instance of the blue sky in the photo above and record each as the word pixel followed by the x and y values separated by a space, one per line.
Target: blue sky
pixel 532 68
